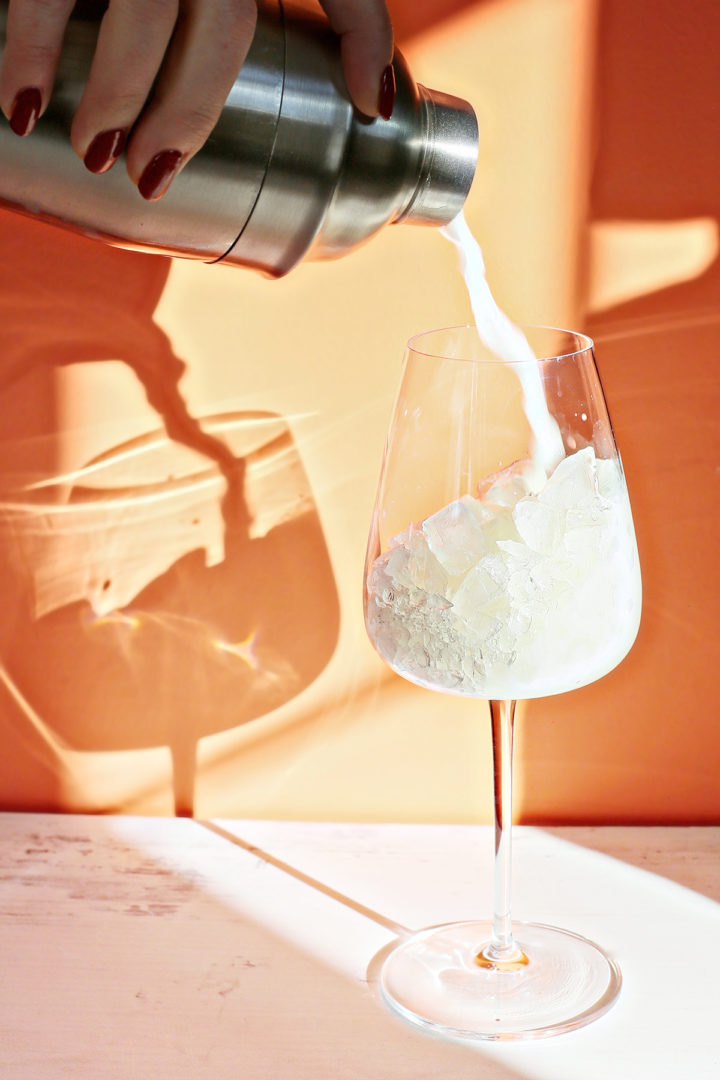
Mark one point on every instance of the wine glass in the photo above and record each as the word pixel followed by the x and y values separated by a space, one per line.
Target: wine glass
pixel 501 564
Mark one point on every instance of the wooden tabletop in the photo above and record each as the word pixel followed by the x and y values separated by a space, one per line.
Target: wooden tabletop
pixel 245 950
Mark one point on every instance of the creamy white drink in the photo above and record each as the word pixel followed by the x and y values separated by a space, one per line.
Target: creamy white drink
pixel 532 588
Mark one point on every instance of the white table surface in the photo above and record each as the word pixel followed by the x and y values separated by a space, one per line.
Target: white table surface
pixel 168 948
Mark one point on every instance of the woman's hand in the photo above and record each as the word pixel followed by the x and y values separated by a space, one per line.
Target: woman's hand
pixel 161 72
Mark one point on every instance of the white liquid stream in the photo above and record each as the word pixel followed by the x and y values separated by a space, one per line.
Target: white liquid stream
pixel 508 343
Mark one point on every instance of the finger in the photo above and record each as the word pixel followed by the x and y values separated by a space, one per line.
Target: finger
pixel 33 41
pixel 211 42
pixel 131 45
pixel 367 48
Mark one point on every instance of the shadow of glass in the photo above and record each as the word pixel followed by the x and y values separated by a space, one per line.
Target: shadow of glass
pixel 174 587
pixel 141 608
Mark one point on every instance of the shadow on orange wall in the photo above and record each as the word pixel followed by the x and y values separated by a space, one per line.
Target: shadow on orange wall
pixel 647 735
pixel 159 593
pixel 165 658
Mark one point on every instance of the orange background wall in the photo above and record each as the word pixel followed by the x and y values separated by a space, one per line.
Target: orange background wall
pixel 237 680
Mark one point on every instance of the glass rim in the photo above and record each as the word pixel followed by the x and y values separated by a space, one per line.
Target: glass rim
pixel 584 344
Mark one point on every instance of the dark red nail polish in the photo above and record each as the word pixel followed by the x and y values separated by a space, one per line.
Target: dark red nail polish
pixel 25 110
pixel 158 173
pixel 104 150
pixel 386 100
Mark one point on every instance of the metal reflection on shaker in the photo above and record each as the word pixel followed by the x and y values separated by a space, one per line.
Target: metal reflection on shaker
pixel 291 171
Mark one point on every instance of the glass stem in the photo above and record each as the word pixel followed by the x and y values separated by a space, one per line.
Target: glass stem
pixel 502 949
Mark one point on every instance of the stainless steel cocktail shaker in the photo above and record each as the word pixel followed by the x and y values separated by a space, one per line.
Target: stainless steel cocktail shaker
pixel 291 171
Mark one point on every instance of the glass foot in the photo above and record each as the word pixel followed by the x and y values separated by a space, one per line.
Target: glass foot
pixel 435 980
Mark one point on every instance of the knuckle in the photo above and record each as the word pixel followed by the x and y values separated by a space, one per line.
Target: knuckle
pixel 185 130
pixel 158 9
pixel 122 99
pixel 149 8
pixel 39 19
pixel 37 53
pixel 147 13
pixel 235 21
pixel 34 32
pixel 239 9
pixel 197 122
pixel 48 7
pixel 102 99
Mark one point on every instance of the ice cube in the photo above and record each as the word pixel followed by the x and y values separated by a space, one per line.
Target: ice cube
pixel 482 513
pixel 501 646
pixel 455 537
pixel 573 483
pixel 486 626
pixel 504 488
pixel 553 579
pixel 495 521
pixel 539 525
pixel 479 592
pixel 526 593
pixel 413 564
pixel 518 554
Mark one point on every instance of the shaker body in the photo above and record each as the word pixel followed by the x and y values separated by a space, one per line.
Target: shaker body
pixel 292 170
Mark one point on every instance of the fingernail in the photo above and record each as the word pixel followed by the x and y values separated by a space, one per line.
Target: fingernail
pixel 104 150
pixel 25 110
pixel 158 173
pixel 386 100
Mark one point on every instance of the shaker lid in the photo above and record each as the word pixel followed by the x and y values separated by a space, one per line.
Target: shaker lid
pixel 450 160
